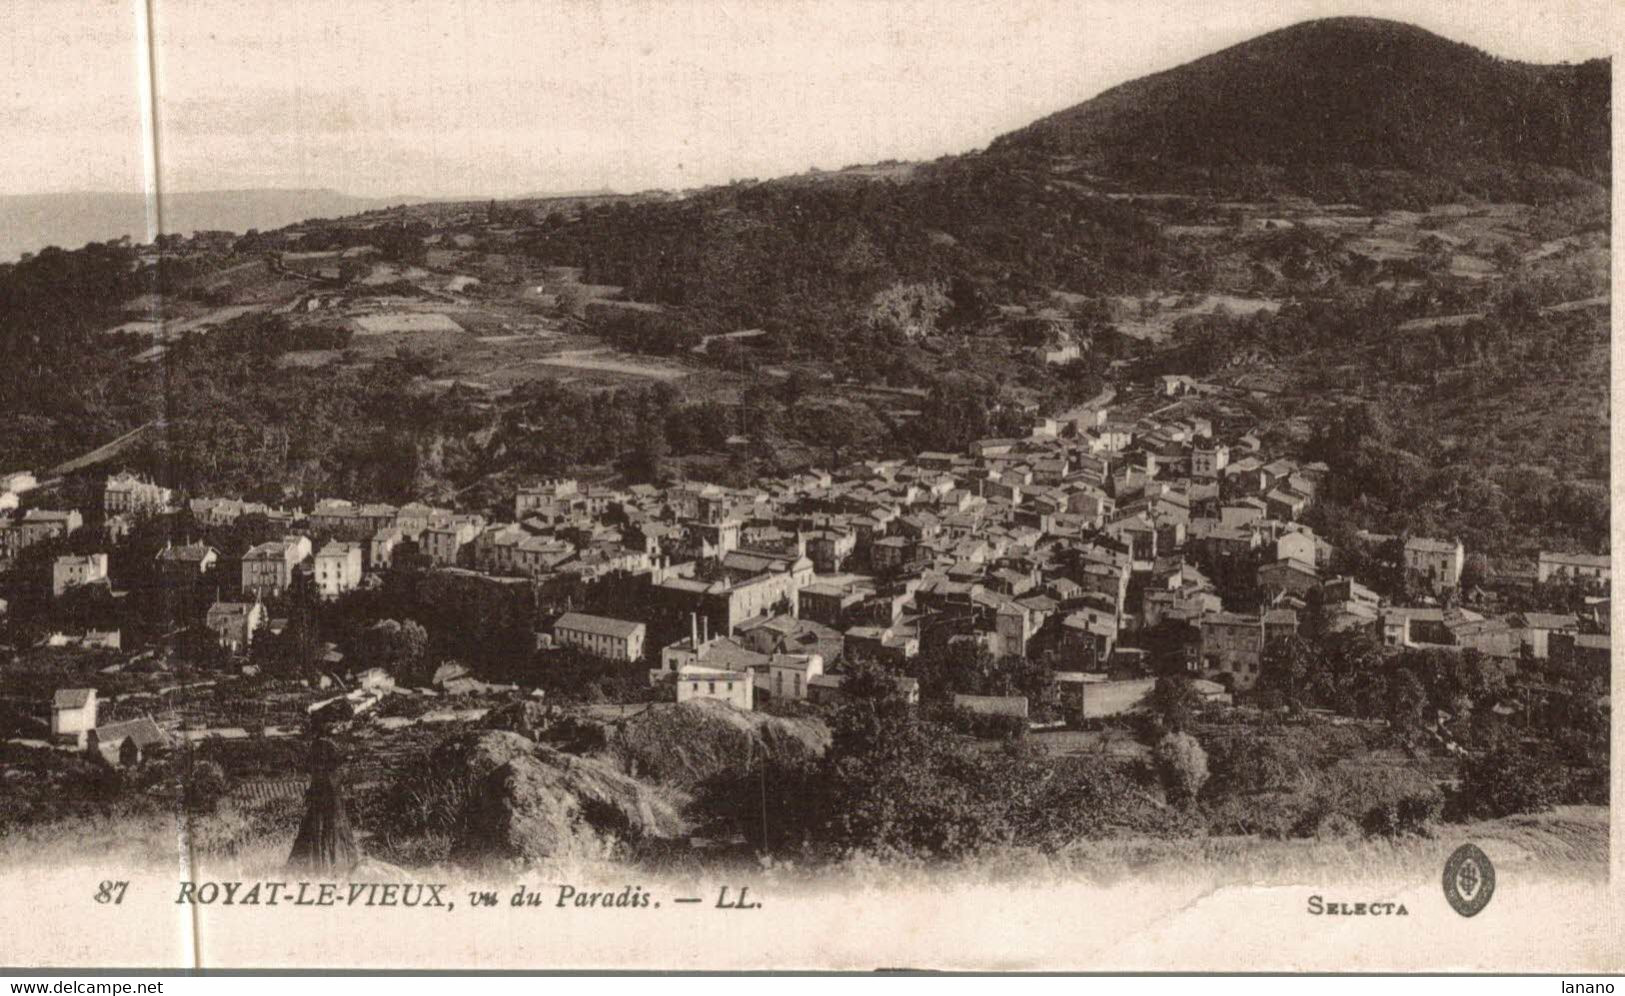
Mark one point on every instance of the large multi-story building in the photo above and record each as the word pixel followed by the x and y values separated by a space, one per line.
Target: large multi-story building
pixel 829 549
pixel 348 521
pixel 225 511
pixel 737 688
pixel 510 549
pixel 38 525
pixel 268 568
pixel 1572 565
pixel 127 494
pixel 381 548
pixel 337 568
pixel 444 539
pixel 235 623
pixel 185 564
pixel 546 498
pixel 1233 645
pixel 749 586
pixel 73 571
pixel 787 675
pixel 830 603
pixel 601 636
pixel 1438 562
pixel 1209 461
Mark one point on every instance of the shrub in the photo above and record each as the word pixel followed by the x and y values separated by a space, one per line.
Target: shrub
pixel 1271 815
pixel 1335 826
pixel 1174 702
pixel 1182 765
pixel 1406 816
pixel 1511 778
pixel 987 726
pixel 1256 764
pixel 1059 801
pixel 205 786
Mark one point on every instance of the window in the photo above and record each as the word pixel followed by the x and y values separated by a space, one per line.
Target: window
pixel 712 687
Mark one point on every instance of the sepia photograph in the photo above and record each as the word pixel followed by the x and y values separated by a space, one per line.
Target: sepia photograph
pixel 711 485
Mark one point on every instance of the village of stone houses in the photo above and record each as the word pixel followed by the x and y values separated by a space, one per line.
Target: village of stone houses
pixel 1263 524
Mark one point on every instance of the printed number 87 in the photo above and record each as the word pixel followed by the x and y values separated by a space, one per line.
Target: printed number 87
pixel 111 892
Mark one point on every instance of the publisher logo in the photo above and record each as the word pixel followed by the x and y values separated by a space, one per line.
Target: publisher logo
pixel 1469 880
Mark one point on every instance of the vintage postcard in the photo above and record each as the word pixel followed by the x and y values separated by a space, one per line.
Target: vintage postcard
pixel 727 485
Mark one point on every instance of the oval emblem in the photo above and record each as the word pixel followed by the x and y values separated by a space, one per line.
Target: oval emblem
pixel 1469 880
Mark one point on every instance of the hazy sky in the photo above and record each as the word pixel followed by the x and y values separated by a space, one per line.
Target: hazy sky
pixel 494 97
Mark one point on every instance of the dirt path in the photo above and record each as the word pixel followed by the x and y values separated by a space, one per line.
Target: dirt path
pixel 705 342
pixel 593 359
pixel 105 451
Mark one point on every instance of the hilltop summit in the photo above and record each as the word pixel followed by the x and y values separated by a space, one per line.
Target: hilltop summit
pixel 1341 92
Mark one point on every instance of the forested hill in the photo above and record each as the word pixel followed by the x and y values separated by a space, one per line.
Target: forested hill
pixel 1378 113
pixel 1349 93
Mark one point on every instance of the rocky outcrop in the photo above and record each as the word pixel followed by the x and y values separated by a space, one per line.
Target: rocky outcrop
pixel 532 803
pixel 686 744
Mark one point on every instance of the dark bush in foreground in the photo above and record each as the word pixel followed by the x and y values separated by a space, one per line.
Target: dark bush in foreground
pixel 1407 816
pixel 1508 779
pixel 986 726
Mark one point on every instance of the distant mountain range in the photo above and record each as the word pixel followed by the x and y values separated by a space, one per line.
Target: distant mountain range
pixel 1355 93
pixel 30 222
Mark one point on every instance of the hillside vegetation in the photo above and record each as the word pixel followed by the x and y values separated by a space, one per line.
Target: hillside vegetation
pixel 1317 102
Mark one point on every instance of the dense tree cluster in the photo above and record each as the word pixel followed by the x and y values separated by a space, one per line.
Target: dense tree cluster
pixel 814 262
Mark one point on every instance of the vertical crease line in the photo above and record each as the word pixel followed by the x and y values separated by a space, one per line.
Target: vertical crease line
pixel 152 170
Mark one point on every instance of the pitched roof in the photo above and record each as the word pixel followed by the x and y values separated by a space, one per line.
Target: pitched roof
pixel 224 610
pixel 600 625
pixel 190 551
pixel 1548 620
pixel 727 655
pixel 795 662
pixel 1288 564
pixel 1578 559
pixel 143 731
pixel 72 698
pixel 1425 545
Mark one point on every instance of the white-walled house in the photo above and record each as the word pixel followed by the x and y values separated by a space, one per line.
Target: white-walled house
pixel 337 568
pixel 70 572
pixel 73 715
pixel 601 636
pixel 1298 545
pixel 1438 561
pixel 733 687
pixel 788 675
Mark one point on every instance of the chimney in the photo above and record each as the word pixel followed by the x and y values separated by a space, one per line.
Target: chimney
pixel 694 630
